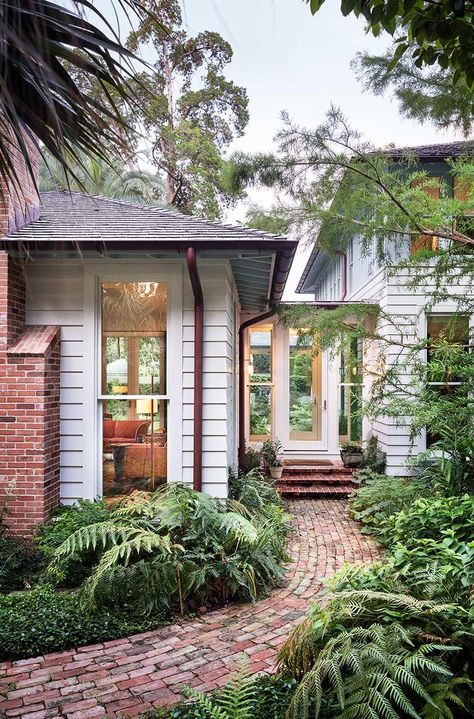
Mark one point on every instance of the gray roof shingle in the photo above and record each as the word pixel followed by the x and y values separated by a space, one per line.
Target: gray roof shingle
pixel 439 151
pixel 78 217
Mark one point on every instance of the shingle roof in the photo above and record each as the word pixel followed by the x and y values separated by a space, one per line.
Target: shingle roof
pixel 440 151
pixel 260 261
pixel 78 217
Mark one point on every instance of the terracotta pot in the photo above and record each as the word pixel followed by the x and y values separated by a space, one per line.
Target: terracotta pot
pixel 351 459
pixel 276 472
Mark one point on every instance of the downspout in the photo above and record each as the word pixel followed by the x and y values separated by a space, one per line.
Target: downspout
pixel 191 260
pixel 343 256
pixel 242 328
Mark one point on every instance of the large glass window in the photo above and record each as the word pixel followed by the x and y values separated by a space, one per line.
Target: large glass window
pixel 453 329
pixel 260 383
pixel 350 393
pixel 305 388
pixel 134 320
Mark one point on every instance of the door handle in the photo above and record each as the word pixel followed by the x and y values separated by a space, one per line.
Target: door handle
pixel 324 404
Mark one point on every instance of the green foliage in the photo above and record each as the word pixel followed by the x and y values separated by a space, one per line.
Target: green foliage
pixel 380 497
pixel 274 221
pixel 43 620
pixel 432 518
pixel 19 563
pixel 65 521
pixel 96 176
pixel 252 459
pixel 237 699
pixel 428 95
pixel 374 459
pixel 270 699
pixel 430 33
pixel 372 672
pixel 41 44
pixel 254 490
pixel 271 453
pixel 180 549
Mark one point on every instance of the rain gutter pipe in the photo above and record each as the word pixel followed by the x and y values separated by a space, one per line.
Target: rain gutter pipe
pixel 191 260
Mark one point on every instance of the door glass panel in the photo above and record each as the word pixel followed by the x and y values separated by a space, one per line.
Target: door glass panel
pixel 260 411
pixel 350 393
pixel 304 389
pixel 134 321
pixel 260 383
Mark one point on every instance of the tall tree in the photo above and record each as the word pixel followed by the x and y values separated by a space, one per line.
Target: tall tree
pixel 38 96
pixel 426 95
pixel 191 112
pixel 428 31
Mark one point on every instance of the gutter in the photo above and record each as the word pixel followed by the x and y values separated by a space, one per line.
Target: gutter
pixel 242 328
pixel 191 260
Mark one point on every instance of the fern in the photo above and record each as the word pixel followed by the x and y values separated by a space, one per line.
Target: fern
pixel 371 672
pixel 236 700
pixel 198 547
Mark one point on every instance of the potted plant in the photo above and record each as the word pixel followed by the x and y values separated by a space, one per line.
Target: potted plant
pixel 271 450
pixel 352 454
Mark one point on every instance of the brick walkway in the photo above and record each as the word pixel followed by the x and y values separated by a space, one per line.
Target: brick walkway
pixel 125 677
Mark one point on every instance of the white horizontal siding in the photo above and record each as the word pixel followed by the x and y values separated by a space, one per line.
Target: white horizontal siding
pixel 55 297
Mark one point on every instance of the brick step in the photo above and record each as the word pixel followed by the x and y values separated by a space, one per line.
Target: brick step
pixel 312 468
pixel 318 462
pixel 317 492
pixel 326 480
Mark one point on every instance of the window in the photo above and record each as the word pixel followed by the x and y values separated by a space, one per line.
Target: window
pixel 133 369
pixel 432 189
pixel 463 190
pixel 453 329
pixel 260 383
pixel 350 393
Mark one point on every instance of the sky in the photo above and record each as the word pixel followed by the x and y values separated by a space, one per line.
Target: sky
pixel 289 60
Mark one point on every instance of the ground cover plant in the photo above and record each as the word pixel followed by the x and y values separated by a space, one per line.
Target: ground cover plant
pixel 133 565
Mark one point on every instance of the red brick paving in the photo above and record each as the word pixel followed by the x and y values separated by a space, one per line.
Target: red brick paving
pixel 125 677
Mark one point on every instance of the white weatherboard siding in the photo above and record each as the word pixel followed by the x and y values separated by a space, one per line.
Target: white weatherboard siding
pixel 219 410
pixel 55 297
pixel 65 293
pixel 369 283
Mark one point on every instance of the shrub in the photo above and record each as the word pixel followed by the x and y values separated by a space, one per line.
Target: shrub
pixel 19 563
pixel 380 497
pixel 383 637
pixel 65 521
pixel 179 549
pixel 43 620
pixel 254 490
pixel 373 457
pixel 432 518
pixel 252 459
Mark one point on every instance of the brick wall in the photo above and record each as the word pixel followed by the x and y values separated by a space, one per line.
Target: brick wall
pixel 29 407
pixel 19 202
pixel 29 375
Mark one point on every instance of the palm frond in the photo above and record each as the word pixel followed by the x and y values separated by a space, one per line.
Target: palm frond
pixel 40 102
